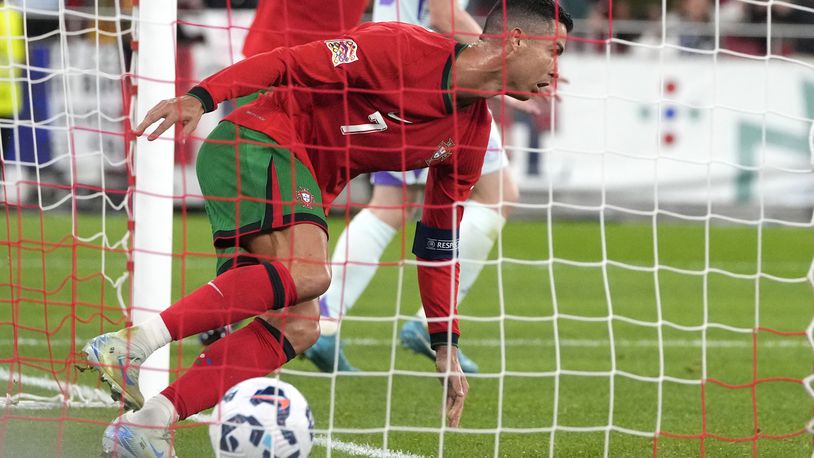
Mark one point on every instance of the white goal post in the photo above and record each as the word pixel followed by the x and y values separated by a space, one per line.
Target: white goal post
pixel 153 194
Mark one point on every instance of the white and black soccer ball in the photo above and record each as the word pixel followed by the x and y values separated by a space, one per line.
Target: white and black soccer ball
pixel 262 418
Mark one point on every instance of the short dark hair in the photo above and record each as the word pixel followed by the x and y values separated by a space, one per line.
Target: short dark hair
pixel 525 12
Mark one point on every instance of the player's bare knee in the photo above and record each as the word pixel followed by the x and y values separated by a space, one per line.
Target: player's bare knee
pixel 299 323
pixel 321 281
pixel 312 280
pixel 302 332
pixel 309 334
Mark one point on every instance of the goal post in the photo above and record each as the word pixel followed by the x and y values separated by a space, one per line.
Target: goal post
pixel 153 194
pixel 69 159
pixel 648 295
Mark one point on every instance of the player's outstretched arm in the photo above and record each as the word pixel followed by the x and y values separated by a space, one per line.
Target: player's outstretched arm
pixel 185 109
pixel 436 246
pixel 446 362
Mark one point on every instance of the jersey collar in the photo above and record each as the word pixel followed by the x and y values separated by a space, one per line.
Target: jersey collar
pixel 446 78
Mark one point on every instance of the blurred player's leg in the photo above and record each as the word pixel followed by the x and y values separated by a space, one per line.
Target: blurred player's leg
pixel 482 223
pixel 355 261
pixel 484 217
pixel 360 247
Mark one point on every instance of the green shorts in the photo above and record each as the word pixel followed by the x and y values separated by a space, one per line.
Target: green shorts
pixel 252 185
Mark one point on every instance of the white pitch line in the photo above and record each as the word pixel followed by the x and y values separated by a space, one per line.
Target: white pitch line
pixel 35 342
pixel 362 450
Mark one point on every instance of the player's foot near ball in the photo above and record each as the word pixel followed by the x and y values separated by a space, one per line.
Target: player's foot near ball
pixel 414 336
pixel 118 360
pixel 126 438
pixel 209 337
pixel 327 357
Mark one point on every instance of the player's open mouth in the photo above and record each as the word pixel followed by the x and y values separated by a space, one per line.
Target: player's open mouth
pixel 542 85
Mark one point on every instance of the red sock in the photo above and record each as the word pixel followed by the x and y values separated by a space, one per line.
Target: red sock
pixel 234 295
pixel 254 351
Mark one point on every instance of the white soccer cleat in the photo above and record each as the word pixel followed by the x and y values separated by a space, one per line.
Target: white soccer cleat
pixel 118 361
pixel 125 438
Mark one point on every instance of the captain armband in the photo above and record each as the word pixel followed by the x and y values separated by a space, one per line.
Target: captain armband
pixel 435 244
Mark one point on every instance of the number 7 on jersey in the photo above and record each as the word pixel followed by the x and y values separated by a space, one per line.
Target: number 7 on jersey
pixel 377 124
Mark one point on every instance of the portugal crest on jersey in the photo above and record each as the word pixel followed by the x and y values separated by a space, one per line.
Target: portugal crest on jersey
pixel 442 153
pixel 305 198
pixel 342 51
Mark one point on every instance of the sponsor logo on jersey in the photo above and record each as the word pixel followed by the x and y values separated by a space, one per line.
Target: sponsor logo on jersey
pixel 253 114
pixel 441 245
pixel 342 51
pixel 442 153
pixel 305 198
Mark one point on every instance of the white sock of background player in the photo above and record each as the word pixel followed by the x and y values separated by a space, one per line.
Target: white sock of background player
pixel 355 260
pixel 366 238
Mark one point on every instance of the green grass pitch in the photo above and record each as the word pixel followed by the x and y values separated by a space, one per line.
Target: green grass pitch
pixel 528 386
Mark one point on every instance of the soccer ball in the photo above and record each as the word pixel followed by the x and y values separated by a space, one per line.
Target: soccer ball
pixel 262 418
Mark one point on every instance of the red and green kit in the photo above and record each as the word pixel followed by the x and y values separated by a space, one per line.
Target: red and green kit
pixel 379 98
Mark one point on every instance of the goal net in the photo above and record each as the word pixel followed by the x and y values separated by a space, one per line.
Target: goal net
pixel 648 295
pixel 69 190
pixel 64 199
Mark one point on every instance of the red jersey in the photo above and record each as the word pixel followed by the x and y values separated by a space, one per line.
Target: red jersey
pixel 289 23
pixel 376 99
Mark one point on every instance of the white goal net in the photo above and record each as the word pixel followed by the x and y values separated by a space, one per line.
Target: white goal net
pixel 649 294
pixel 65 236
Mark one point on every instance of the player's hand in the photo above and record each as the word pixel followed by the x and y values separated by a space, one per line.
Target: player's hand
pixel 446 362
pixel 185 109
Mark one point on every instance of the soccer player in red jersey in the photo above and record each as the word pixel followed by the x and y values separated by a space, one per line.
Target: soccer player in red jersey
pixel 385 96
